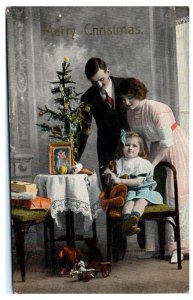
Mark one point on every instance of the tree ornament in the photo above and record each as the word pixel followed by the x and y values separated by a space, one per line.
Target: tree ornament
pixel 66 59
pixel 87 108
pixel 40 113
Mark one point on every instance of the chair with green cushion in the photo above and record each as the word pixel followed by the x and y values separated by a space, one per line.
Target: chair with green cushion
pixel 22 219
pixel 163 213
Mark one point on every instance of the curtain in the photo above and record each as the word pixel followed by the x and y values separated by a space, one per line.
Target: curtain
pixel 182 44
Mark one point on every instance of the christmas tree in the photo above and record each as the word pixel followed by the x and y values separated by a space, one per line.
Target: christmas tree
pixel 64 122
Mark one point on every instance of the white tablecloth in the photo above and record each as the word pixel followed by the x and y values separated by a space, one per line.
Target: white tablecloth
pixel 77 192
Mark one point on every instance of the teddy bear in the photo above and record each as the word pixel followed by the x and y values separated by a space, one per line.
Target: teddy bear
pixel 115 201
pixel 114 196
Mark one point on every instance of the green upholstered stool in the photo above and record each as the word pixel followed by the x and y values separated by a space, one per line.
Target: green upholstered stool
pixel 22 219
pixel 29 215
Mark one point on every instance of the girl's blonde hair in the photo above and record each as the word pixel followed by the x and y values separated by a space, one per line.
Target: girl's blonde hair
pixel 143 151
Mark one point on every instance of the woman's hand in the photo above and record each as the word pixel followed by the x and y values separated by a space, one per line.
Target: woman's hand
pixel 160 156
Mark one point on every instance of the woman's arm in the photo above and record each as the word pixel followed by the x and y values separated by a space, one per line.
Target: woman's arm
pixel 129 182
pixel 162 116
pixel 160 156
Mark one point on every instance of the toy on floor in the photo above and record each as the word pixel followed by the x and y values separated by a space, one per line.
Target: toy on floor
pixel 95 258
pixel 85 273
pixel 103 267
pixel 68 256
pixel 94 263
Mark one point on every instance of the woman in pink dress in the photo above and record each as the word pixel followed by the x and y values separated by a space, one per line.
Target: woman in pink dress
pixel 155 122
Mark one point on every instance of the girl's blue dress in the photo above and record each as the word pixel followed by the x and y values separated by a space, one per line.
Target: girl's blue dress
pixel 139 167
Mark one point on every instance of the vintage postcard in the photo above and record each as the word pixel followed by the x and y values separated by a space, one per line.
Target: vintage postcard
pixel 79 79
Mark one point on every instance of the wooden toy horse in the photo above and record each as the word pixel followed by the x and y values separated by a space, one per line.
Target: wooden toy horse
pixel 68 256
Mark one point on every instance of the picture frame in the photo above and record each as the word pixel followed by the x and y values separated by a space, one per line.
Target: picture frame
pixel 60 154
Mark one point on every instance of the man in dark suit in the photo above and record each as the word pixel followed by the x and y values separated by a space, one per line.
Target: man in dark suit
pixel 101 101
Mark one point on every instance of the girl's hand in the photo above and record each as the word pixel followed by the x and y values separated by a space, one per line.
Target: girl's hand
pixel 139 180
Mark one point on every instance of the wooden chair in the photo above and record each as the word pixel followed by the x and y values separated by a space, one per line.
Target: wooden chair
pixel 22 220
pixel 161 213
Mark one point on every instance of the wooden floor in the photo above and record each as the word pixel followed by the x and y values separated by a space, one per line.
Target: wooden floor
pixel 130 276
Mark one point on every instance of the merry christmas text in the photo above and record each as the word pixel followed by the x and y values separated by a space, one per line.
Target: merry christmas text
pixel 90 29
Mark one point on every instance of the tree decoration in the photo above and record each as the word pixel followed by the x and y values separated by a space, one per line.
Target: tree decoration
pixel 64 122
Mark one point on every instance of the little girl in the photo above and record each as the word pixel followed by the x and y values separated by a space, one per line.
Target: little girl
pixel 136 172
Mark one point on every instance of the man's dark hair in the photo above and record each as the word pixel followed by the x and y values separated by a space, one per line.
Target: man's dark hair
pixel 93 65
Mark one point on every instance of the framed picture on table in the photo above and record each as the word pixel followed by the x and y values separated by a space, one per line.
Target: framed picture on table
pixel 60 157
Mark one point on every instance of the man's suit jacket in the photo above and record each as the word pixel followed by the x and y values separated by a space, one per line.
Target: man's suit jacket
pixel 109 122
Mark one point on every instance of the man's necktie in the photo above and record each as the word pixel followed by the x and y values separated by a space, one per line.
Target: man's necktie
pixel 108 99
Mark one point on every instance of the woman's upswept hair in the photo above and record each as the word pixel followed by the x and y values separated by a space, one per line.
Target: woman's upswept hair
pixel 133 88
pixel 93 65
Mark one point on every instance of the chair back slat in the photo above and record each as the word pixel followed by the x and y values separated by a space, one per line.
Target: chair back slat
pixel 160 175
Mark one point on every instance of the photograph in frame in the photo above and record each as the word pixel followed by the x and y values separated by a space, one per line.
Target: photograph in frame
pixel 60 155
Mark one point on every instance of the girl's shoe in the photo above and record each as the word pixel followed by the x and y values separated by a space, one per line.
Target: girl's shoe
pixel 174 258
pixel 132 230
pixel 130 222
